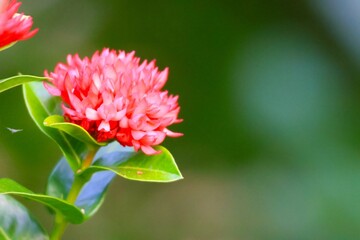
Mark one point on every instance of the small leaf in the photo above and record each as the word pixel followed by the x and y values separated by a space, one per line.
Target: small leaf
pixel 18 80
pixel 70 212
pixel 41 105
pixel 17 223
pixel 76 131
pixel 137 165
pixel 92 194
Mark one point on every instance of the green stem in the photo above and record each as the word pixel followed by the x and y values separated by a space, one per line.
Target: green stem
pixel 60 222
pixel 60 226
pixel 89 158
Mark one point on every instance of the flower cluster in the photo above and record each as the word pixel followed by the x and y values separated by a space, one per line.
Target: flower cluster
pixel 114 96
pixel 14 26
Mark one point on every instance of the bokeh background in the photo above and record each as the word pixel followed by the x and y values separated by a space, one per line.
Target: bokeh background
pixel 270 94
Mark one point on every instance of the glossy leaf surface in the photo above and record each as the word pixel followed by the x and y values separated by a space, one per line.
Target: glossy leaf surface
pixel 70 212
pixel 76 131
pixel 11 82
pixel 17 223
pixel 41 105
pixel 136 165
pixel 92 194
pixel 110 161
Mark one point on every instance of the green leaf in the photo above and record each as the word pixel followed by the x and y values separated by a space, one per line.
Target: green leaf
pixel 92 194
pixel 110 161
pixel 70 212
pixel 137 165
pixel 76 131
pixel 18 80
pixel 3 235
pixel 41 105
pixel 17 223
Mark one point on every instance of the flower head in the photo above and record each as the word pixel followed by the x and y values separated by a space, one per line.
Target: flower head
pixel 114 96
pixel 14 26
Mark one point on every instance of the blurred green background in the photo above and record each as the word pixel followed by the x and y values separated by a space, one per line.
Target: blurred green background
pixel 270 96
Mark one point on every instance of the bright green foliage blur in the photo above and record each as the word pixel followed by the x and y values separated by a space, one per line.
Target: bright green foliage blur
pixel 269 93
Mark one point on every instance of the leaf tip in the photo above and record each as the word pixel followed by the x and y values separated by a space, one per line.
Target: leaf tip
pixel 180 177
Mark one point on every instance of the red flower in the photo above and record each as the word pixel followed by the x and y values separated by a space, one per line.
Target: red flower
pixel 14 26
pixel 113 96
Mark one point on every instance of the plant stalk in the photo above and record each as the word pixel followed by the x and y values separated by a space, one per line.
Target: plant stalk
pixel 60 222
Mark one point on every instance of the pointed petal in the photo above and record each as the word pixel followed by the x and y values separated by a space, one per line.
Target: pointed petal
pixel 104 126
pixel 52 90
pixel 172 134
pixel 162 78
pixel 124 122
pixel 137 135
pixel 91 114
pixel 149 150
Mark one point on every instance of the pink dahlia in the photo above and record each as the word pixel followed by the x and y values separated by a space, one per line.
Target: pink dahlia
pixel 114 96
pixel 14 26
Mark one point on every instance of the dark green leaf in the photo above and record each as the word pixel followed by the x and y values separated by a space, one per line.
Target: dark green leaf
pixel 76 131
pixel 18 80
pixel 136 165
pixel 92 194
pixel 41 105
pixel 70 212
pixel 17 223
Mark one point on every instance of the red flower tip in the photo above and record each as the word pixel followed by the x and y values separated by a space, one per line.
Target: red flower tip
pixel 14 26
pixel 115 97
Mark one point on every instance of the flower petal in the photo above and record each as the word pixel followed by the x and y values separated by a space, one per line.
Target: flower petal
pixel 149 150
pixel 137 135
pixel 172 134
pixel 52 90
pixel 104 126
pixel 92 114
